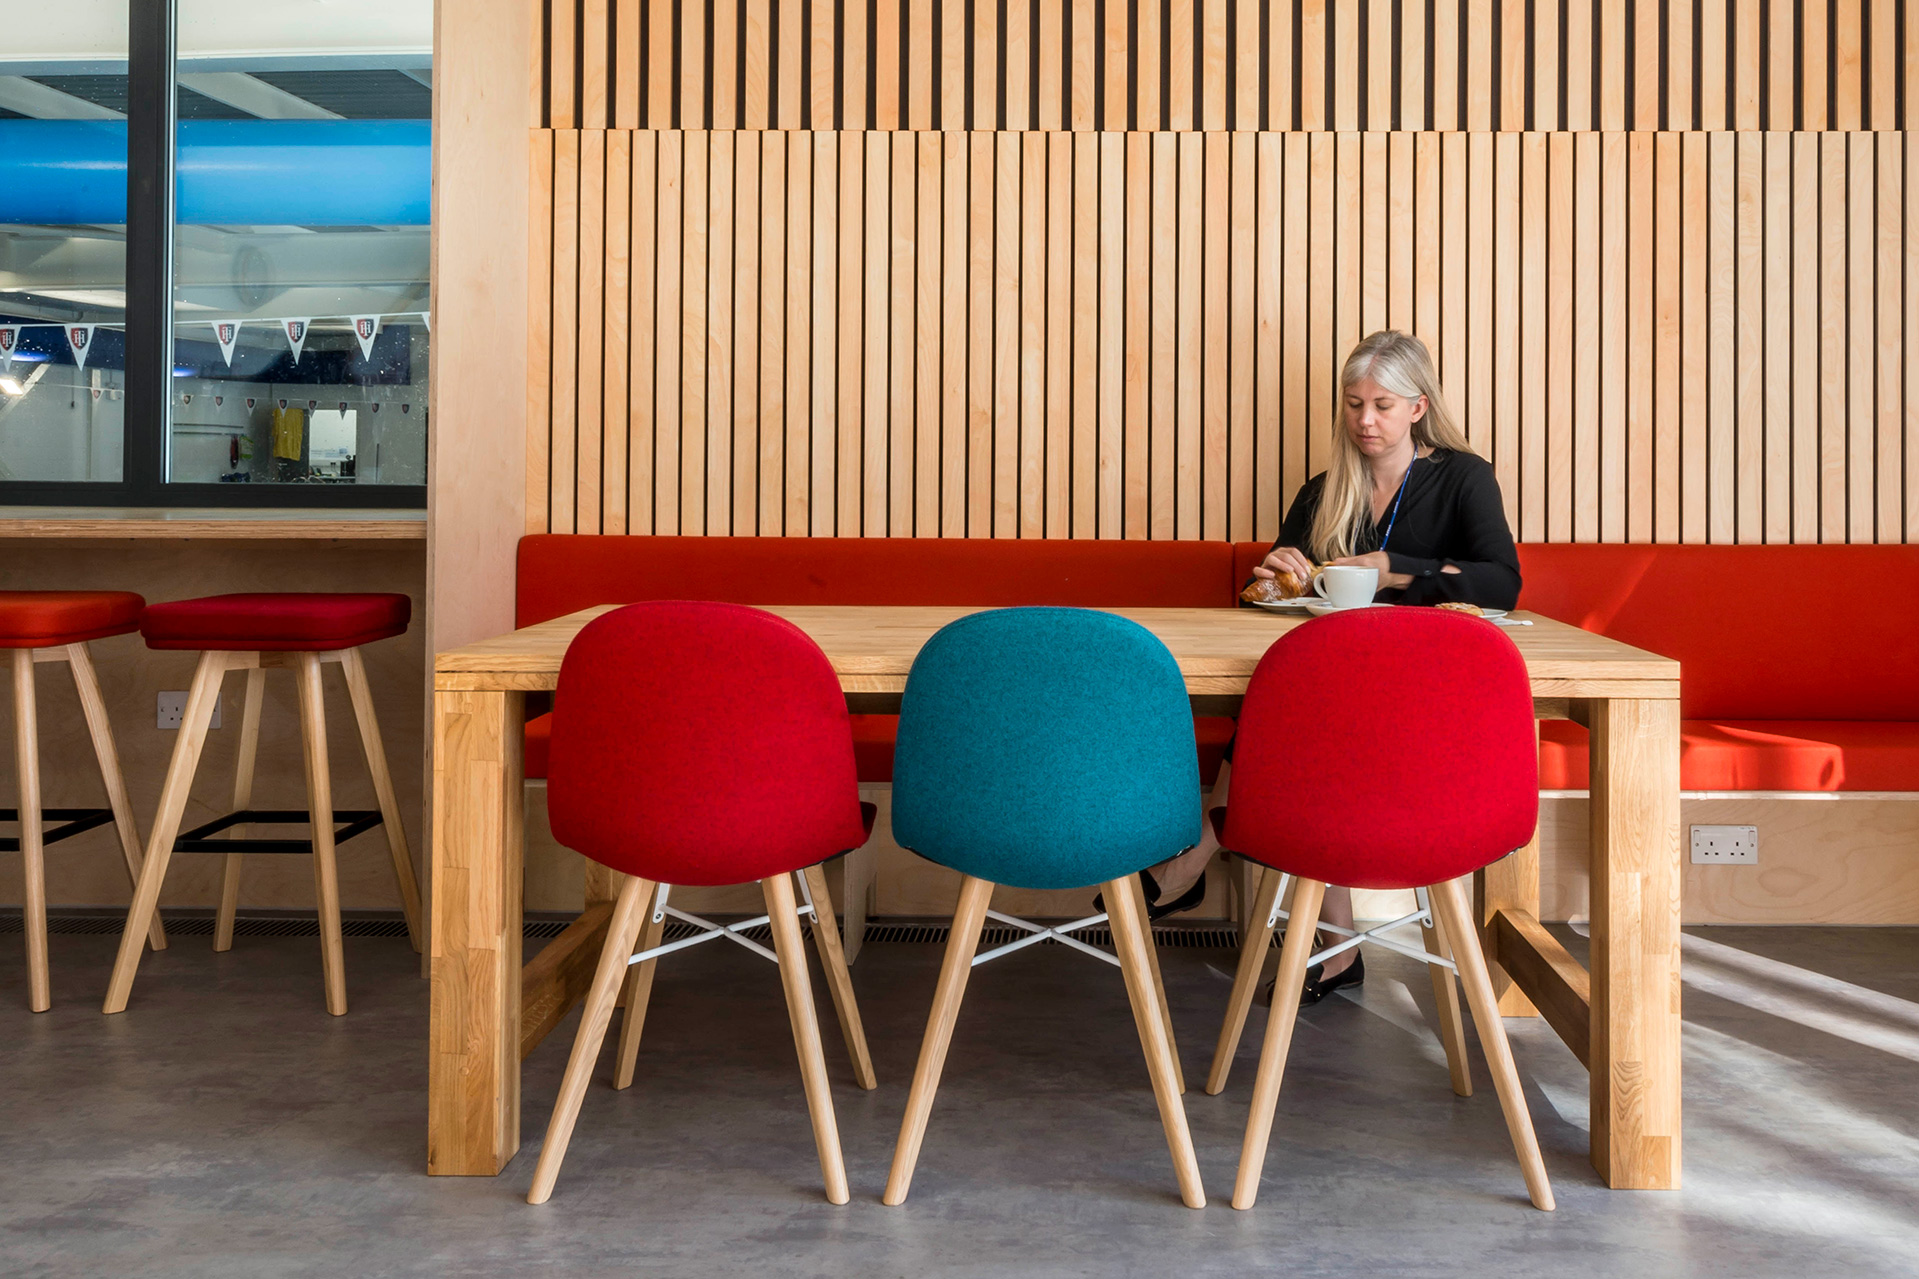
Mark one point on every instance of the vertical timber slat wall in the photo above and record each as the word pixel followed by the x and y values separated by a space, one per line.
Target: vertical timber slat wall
pixel 1086 269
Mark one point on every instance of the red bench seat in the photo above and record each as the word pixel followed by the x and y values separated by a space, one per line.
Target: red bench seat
pixel 1796 671
pixel 561 573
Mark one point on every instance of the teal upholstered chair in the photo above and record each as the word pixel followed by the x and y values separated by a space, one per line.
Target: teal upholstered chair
pixel 1047 748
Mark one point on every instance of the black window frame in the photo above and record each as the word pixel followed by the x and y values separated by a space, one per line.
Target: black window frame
pixel 152 58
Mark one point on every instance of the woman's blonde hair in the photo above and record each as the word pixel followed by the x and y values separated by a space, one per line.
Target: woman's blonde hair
pixel 1400 364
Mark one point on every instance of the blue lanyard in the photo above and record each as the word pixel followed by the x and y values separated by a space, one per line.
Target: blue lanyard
pixel 1394 518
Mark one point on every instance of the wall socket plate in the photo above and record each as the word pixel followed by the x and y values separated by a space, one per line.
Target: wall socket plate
pixel 173 708
pixel 1725 845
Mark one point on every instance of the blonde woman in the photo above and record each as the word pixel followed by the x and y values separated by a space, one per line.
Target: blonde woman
pixel 1405 494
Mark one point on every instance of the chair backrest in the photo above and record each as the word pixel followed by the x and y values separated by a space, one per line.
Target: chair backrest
pixel 1385 748
pixel 699 743
pixel 1045 748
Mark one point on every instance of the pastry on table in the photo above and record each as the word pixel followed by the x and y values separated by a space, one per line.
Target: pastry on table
pixel 1460 606
pixel 1277 589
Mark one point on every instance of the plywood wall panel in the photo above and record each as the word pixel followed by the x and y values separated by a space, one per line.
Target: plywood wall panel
pixel 1671 336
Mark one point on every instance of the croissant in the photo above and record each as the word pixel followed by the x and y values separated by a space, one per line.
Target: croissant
pixel 1274 590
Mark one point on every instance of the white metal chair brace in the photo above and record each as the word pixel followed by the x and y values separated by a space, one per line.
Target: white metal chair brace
pixel 1057 932
pixel 1423 917
pixel 712 931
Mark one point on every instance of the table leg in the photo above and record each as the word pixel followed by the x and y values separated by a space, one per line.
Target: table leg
pixel 1635 942
pixel 473 1076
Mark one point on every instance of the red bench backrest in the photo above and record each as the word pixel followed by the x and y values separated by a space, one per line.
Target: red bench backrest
pixel 562 573
pixel 1760 632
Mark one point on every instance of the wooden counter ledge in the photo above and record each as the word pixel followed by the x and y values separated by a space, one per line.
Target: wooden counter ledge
pixel 68 522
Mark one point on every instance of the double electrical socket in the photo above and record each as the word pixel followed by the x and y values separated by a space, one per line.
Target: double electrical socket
pixel 173 709
pixel 1725 845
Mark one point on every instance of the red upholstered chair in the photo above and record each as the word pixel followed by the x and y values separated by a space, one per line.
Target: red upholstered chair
pixel 255 633
pixel 55 626
pixel 1386 749
pixel 655 777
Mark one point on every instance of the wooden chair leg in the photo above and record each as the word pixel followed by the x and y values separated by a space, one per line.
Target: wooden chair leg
pixel 1130 939
pixel 961 944
pixel 783 911
pixel 1307 895
pixel 201 696
pixel 1256 937
pixel 404 875
pixel 635 894
pixel 94 707
pixel 1455 916
pixel 1452 1028
pixel 1138 895
pixel 326 879
pixel 26 758
pixel 242 798
pixel 839 982
pixel 639 994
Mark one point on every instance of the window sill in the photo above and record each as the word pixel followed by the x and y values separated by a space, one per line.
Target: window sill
pixel 231 524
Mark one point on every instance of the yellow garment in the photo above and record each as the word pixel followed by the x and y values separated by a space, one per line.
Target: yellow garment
pixel 289 432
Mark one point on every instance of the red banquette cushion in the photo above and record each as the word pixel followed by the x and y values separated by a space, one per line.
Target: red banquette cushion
pixel 1796 666
pixel 562 573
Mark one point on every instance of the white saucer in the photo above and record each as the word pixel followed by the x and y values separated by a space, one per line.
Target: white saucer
pixel 1282 606
pixel 1319 608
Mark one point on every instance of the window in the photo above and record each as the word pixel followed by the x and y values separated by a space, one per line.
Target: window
pixel 253 330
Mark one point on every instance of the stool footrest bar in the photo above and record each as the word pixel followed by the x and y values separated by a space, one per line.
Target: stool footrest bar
pixel 348 822
pixel 76 820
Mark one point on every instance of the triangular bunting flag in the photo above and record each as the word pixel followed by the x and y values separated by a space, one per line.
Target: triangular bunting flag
pixel 296 331
pixel 426 318
pixel 9 339
pixel 227 332
pixel 80 338
pixel 364 328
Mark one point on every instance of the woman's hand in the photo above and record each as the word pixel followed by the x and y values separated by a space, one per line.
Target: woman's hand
pixel 1286 559
pixel 1388 580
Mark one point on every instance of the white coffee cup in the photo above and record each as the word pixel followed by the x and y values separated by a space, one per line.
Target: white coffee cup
pixel 1347 585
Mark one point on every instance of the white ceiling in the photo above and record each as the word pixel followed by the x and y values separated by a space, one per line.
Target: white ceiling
pixel 93 31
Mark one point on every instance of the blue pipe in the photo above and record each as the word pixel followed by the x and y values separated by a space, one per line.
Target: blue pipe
pixel 231 172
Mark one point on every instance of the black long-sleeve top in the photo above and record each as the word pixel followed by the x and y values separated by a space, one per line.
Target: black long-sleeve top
pixel 1451 515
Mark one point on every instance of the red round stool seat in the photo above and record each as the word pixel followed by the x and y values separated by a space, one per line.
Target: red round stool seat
pixel 277 622
pixel 50 619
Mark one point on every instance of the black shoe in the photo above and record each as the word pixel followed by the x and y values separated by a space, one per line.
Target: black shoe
pixel 1192 897
pixel 1147 885
pixel 1317 986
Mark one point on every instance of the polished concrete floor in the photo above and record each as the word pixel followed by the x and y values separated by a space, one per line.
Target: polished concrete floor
pixel 226 1126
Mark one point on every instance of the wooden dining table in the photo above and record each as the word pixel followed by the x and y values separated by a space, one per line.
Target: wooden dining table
pixel 1619 1014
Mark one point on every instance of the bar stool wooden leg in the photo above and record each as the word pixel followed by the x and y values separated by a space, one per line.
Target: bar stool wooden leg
pixel 1279 1037
pixel 961 944
pixel 1138 895
pixel 1455 916
pixel 326 881
pixel 403 873
pixel 594 1016
pixel 166 824
pixel 1132 943
pixel 94 708
pixel 639 994
pixel 1256 937
pixel 839 981
pixel 783 911
pixel 242 798
pixel 26 757
pixel 1452 1027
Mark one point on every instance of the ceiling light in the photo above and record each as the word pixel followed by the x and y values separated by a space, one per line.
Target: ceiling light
pixel 12 386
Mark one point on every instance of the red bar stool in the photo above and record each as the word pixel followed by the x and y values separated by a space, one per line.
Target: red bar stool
pixel 55 626
pixel 255 633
